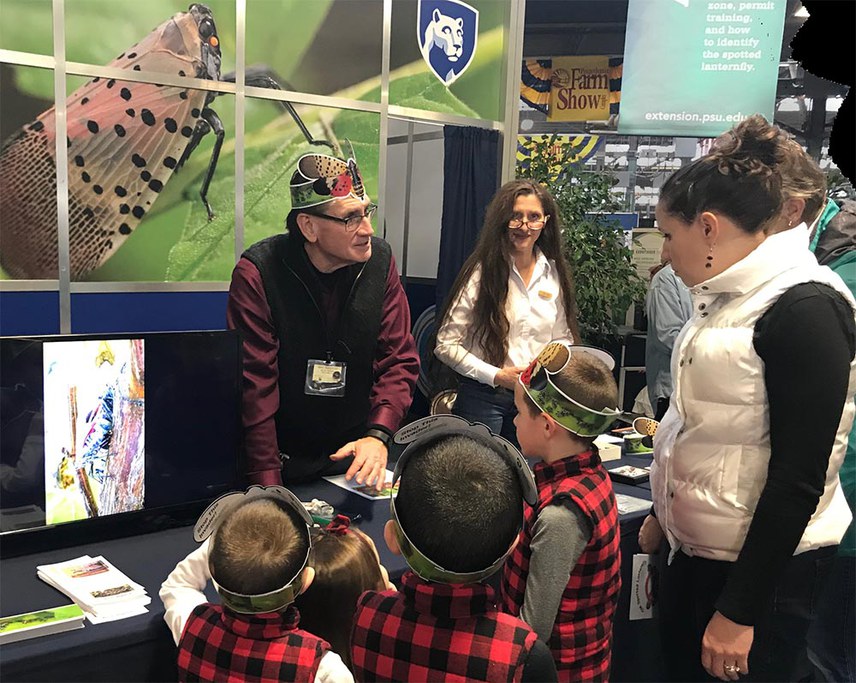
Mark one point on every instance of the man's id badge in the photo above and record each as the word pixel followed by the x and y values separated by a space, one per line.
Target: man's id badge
pixel 325 378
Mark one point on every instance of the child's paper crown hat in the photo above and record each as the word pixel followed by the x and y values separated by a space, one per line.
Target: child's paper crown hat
pixel 321 178
pixel 537 382
pixel 216 513
pixel 428 430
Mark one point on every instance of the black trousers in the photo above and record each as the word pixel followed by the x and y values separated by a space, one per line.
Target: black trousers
pixel 688 590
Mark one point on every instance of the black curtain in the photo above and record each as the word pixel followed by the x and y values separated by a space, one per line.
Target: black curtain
pixel 470 179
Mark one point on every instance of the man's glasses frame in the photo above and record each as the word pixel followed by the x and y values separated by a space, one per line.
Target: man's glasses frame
pixel 351 222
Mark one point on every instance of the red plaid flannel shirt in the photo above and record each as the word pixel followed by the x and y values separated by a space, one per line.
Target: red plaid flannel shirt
pixel 582 633
pixel 220 645
pixel 437 632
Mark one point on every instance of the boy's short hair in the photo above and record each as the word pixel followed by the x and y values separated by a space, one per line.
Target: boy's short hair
pixel 587 380
pixel 460 503
pixel 258 548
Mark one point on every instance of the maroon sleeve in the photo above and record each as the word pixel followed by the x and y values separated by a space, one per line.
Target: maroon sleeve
pixel 396 365
pixel 247 311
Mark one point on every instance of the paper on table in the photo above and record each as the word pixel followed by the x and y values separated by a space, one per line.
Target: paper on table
pixel 363 490
pixel 627 503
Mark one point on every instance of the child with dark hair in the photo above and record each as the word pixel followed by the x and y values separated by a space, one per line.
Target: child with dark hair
pixel 455 519
pixel 563 578
pixel 346 564
pixel 258 560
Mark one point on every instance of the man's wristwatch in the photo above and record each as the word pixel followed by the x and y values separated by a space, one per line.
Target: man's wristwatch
pixel 380 435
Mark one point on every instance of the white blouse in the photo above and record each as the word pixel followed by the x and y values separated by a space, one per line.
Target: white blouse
pixel 536 316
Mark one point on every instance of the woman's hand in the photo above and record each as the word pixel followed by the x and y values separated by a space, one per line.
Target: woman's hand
pixel 507 377
pixel 725 648
pixel 650 535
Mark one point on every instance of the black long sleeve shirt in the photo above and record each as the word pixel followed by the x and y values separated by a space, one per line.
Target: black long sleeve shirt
pixel 807 341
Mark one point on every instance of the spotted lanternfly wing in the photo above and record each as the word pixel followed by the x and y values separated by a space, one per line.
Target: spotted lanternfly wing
pixel 120 160
pixel 321 166
pixel 124 142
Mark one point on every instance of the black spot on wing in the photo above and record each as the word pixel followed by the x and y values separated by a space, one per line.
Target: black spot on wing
pixel 92 126
pixel 125 94
pixel 137 160
pixel 147 117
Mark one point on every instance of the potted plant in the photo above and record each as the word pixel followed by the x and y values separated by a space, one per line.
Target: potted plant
pixel 605 279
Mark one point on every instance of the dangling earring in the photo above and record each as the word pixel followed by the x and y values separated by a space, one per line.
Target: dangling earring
pixel 709 263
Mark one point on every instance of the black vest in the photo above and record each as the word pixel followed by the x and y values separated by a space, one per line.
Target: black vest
pixel 310 428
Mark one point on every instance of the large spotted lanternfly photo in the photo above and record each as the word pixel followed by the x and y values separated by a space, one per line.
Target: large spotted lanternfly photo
pixel 125 140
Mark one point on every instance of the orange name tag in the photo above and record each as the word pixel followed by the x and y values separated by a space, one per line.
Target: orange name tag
pixel 545 295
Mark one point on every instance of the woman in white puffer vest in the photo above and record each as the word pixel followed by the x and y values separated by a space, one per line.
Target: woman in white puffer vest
pixel 745 475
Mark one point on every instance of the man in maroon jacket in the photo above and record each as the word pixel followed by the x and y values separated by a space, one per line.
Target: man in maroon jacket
pixel 329 360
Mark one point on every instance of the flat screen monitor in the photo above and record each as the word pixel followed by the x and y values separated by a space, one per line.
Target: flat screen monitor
pixel 112 435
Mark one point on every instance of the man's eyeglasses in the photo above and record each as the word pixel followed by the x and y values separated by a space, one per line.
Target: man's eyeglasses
pixel 353 221
pixel 533 225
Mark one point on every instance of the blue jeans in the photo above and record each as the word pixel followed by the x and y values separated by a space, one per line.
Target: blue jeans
pixel 493 407
pixel 832 637
pixel 688 591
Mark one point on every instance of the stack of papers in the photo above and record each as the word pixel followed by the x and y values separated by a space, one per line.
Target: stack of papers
pixel 40 623
pixel 97 587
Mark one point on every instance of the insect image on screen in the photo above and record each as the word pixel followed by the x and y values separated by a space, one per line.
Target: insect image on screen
pixel 125 141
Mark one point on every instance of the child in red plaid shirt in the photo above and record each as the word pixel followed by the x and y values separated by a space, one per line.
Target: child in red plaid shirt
pixel 258 562
pixel 563 578
pixel 457 514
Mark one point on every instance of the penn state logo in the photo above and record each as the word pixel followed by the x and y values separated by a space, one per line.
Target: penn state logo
pixel 447 31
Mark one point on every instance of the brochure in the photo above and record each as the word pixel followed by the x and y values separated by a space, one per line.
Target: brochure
pixel 40 623
pixel 101 590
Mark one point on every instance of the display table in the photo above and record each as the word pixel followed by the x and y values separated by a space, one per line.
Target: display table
pixel 141 649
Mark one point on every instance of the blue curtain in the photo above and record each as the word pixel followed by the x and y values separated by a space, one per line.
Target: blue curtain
pixel 470 179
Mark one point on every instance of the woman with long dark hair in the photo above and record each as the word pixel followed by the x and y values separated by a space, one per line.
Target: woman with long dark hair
pixel 513 295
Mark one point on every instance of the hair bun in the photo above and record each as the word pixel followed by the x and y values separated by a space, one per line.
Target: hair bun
pixel 750 149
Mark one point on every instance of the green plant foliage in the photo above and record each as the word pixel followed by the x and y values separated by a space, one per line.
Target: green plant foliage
pixel 605 279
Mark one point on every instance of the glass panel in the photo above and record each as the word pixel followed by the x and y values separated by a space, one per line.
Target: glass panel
pixel 153 36
pixel 27 26
pixel 465 76
pixel 324 47
pixel 135 174
pixel 28 216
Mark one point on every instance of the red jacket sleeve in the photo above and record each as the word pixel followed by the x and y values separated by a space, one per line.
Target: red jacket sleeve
pixel 396 364
pixel 247 311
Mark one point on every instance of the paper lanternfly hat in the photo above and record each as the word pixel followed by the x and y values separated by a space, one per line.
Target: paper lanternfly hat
pixel 216 513
pixel 428 430
pixel 537 382
pixel 321 178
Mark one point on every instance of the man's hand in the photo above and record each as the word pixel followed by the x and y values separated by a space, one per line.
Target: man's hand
pixel 507 377
pixel 650 535
pixel 725 648
pixel 369 464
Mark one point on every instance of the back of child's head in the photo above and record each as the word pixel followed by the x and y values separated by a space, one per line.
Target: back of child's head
pixel 459 502
pixel 258 548
pixel 346 565
pixel 587 380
